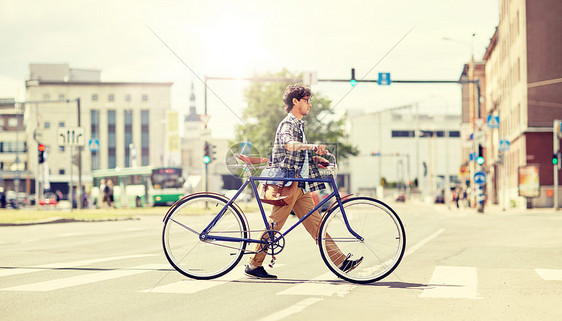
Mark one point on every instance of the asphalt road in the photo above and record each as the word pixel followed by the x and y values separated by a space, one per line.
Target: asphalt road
pixel 459 265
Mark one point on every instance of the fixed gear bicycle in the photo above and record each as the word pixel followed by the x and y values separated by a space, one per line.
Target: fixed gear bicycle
pixel 206 234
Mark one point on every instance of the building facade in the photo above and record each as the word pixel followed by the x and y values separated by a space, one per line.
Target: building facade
pixel 405 147
pixel 119 119
pixel 524 90
pixel 15 173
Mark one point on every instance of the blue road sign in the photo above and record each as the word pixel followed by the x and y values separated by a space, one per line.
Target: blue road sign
pixel 493 121
pixel 384 78
pixel 480 178
pixel 504 145
pixel 94 145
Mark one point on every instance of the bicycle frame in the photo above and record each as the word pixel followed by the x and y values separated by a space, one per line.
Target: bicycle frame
pixel 252 181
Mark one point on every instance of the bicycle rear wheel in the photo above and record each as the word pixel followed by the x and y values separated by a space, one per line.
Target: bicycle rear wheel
pixel 183 246
pixel 383 239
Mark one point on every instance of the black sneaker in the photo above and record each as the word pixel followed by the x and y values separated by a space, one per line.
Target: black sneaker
pixel 259 273
pixel 348 265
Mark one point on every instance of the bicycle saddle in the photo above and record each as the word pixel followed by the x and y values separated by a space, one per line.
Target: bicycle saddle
pixel 252 160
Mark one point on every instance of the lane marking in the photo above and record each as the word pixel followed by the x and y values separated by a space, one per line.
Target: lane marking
pixel 320 288
pixel 421 243
pixel 43 267
pixel 296 308
pixel 452 282
pixel 549 274
pixel 83 279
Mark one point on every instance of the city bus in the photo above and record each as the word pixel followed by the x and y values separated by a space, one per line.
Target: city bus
pixel 167 185
pixel 142 186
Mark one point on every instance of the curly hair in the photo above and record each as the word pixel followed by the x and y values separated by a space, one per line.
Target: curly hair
pixel 297 91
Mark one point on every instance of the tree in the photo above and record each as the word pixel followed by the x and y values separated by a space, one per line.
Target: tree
pixel 266 109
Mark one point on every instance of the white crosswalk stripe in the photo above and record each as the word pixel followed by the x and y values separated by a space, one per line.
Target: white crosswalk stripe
pixel 549 274
pixel 452 282
pixel 43 267
pixel 83 279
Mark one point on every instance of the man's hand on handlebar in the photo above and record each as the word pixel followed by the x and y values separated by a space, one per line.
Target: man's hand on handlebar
pixel 320 149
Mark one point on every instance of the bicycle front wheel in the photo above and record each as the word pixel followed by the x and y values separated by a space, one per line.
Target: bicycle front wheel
pixel 201 258
pixel 381 244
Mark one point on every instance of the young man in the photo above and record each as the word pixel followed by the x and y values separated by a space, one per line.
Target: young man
pixel 293 155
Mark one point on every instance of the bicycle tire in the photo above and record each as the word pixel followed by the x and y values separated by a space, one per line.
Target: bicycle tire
pixel 187 252
pixel 383 244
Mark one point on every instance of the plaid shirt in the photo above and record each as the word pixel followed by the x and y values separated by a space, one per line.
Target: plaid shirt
pixel 292 129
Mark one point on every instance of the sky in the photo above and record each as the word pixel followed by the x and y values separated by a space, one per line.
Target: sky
pixel 184 41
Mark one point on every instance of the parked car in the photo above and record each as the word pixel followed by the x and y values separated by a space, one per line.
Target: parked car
pixel 400 197
pixel 48 199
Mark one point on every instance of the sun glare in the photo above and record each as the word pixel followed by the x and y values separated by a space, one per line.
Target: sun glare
pixel 232 45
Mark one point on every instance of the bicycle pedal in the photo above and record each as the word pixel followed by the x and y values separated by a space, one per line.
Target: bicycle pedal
pixel 272 263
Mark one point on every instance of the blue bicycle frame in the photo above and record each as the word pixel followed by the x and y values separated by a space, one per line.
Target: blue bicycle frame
pixel 252 180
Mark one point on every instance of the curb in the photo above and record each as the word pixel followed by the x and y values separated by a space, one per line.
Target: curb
pixel 55 220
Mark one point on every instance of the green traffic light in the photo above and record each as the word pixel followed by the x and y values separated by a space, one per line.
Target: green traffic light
pixel 554 159
pixel 480 160
pixel 206 159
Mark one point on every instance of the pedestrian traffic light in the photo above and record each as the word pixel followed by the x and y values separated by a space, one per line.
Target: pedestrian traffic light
pixel 353 82
pixel 41 153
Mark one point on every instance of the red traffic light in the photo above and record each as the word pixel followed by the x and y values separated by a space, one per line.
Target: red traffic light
pixel 41 147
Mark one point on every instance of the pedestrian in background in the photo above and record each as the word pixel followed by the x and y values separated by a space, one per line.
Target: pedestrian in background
pixel 108 191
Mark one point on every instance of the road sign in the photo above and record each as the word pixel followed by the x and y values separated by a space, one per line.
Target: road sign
pixel 70 136
pixel 478 123
pixel 384 78
pixel 504 145
pixel 480 178
pixel 493 121
pixel 94 145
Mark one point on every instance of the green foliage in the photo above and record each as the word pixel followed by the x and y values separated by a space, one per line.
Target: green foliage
pixel 266 109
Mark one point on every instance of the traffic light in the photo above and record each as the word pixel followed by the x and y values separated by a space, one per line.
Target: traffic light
pixel 41 153
pixel 555 159
pixel 206 154
pixel 353 82
pixel 480 159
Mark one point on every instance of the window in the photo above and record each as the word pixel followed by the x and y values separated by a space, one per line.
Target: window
pixel 111 140
pixel 95 132
pixel 61 171
pixel 454 133
pixel 47 125
pixel 61 149
pixel 402 133
pixel 128 97
pixel 61 97
pixel 111 97
pixel 144 138
pixel 144 97
pixel 13 122
pixel 95 97
pixel 61 124
pixel 128 136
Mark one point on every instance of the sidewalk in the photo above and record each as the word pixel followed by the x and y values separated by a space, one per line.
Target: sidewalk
pixel 489 209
